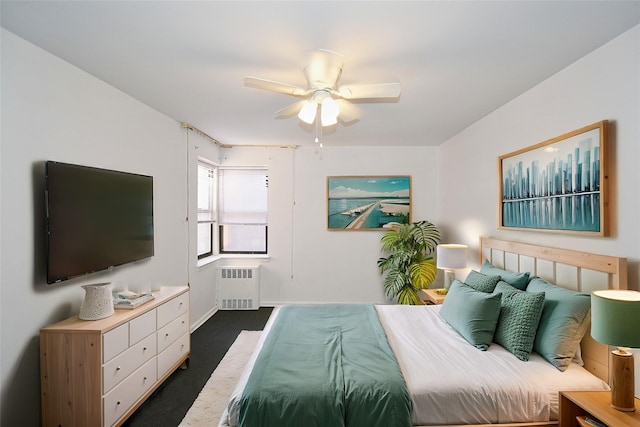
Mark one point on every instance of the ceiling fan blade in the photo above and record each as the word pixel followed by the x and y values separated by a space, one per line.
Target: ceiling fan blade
pixel 272 86
pixel 380 90
pixel 290 110
pixel 324 69
pixel 348 112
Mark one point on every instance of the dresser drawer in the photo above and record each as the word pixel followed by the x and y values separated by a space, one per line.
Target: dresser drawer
pixel 172 309
pixel 111 364
pixel 142 326
pixel 172 331
pixel 115 342
pixel 172 354
pixel 120 399
pixel 124 364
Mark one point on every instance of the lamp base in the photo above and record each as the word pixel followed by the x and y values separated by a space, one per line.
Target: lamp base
pixel 622 381
pixel 449 275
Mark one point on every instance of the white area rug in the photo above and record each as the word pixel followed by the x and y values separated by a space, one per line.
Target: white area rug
pixel 207 409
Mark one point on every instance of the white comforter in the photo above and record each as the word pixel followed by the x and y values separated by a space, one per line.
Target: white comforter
pixel 452 382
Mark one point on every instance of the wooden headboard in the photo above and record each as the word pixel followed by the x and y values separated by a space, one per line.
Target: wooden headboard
pixel 576 270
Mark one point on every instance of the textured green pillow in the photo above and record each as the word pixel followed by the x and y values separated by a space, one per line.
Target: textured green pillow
pixel 481 282
pixel 519 318
pixel 473 314
pixel 517 280
pixel 565 319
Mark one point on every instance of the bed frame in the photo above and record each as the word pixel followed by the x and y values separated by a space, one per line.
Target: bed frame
pixel 580 271
pixel 576 270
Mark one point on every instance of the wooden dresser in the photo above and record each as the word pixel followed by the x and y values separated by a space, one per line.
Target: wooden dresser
pixel 97 373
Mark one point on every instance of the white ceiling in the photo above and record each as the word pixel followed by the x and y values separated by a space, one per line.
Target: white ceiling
pixel 457 61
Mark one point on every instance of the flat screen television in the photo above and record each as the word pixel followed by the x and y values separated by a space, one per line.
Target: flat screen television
pixel 96 219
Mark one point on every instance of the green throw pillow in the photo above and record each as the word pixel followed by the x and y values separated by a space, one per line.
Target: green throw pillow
pixel 473 314
pixel 517 280
pixel 564 321
pixel 482 282
pixel 519 318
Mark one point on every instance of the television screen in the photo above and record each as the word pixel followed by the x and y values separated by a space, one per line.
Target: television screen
pixel 95 219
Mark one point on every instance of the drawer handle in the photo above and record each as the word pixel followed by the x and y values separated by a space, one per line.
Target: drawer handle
pixel 144 349
pixel 117 368
pixel 118 402
pixel 166 335
pixel 144 379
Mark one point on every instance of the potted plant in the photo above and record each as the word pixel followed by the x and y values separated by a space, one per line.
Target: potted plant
pixel 409 265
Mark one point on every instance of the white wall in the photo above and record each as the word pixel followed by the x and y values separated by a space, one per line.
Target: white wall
pixel 53 111
pixel 201 280
pixel 307 262
pixel 604 85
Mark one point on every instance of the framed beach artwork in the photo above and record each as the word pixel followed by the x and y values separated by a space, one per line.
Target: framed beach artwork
pixel 557 186
pixel 367 202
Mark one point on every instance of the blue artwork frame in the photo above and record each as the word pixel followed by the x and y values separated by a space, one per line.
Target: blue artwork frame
pixel 361 203
pixel 557 186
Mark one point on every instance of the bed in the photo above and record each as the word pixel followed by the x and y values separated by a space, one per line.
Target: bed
pixel 450 378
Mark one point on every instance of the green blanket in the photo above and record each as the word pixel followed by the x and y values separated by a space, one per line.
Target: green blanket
pixel 326 366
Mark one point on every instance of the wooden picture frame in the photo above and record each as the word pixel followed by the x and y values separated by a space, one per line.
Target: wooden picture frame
pixel 557 186
pixel 356 203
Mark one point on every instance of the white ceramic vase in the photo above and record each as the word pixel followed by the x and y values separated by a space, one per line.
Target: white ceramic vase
pixel 97 302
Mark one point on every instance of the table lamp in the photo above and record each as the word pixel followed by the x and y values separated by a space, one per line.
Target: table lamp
pixel 615 321
pixel 450 257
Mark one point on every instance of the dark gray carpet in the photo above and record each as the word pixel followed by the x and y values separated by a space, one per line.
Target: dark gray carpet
pixel 209 343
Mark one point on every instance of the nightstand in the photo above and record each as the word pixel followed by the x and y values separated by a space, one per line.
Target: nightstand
pixel 575 406
pixel 431 296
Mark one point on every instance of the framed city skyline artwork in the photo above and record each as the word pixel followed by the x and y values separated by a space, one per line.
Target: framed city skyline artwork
pixel 557 186
pixel 367 202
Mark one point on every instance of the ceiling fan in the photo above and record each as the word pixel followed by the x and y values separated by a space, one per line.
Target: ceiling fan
pixel 323 96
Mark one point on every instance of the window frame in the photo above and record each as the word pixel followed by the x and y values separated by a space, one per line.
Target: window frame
pixel 213 209
pixel 222 224
pixel 225 252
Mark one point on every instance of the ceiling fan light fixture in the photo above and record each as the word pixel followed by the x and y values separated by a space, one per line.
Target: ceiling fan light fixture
pixel 322 73
pixel 330 111
pixel 308 112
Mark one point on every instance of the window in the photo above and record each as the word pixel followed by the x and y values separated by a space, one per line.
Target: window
pixel 242 203
pixel 207 209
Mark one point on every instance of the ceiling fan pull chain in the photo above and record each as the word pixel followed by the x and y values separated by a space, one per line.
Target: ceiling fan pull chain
pixel 318 133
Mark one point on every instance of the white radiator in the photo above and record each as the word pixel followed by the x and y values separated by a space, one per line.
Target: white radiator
pixel 238 288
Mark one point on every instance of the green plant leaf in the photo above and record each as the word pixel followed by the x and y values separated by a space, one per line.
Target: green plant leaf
pixel 389 240
pixel 409 265
pixel 408 295
pixel 426 235
pixel 423 273
pixel 394 281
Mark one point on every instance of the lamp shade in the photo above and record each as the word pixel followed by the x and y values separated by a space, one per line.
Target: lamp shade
pixel 615 317
pixel 451 256
pixel 308 112
pixel 330 111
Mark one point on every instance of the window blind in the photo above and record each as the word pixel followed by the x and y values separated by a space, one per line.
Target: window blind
pixel 243 196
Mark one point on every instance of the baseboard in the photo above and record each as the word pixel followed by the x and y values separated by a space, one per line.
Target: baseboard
pixel 203 319
pixel 280 303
